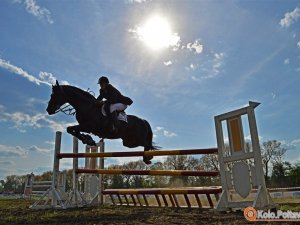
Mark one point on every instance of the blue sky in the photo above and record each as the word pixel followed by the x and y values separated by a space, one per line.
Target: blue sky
pixel 218 56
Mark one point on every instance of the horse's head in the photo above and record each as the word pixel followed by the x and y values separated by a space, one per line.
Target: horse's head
pixel 57 99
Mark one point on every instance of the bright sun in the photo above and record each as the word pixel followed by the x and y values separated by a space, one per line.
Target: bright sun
pixel 156 33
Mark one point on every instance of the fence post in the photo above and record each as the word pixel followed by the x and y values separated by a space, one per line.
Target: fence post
pixel 56 165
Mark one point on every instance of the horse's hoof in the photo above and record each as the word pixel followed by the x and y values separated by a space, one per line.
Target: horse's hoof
pixel 91 143
pixel 147 161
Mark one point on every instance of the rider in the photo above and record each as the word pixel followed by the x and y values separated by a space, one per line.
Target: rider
pixel 115 101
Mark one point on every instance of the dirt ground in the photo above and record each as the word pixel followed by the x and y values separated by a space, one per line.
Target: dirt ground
pixel 16 211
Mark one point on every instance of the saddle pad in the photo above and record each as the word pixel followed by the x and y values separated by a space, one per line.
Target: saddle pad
pixel 122 115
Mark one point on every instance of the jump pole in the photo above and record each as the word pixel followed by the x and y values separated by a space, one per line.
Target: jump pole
pixel 150 172
pixel 139 153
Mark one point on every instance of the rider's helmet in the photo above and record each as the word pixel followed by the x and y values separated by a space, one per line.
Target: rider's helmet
pixel 103 80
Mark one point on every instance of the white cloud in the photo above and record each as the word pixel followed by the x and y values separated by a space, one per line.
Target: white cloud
pixel 36 149
pixel 298 44
pixel 31 102
pixel 248 138
pixel 191 67
pixel 159 128
pixel 45 77
pixel 12 151
pixel 22 121
pixel 168 63
pixel 295 142
pixel 286 61
pixel 34 9
pixel 218 62
pixel 210 68
pixel 136 1
pixel 6 163
pixel 169 134
pixel 50 78
pixel 195 78
pixel 164 132
pixel 50 143
pixel 290 18
pixel 195 47
pixel 19 71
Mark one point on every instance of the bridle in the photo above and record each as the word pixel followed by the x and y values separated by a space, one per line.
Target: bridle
pixel 67 109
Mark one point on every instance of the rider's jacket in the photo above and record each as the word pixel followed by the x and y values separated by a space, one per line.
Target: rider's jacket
pixel 112 95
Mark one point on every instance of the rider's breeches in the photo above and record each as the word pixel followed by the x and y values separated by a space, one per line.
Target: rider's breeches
pixel 117 107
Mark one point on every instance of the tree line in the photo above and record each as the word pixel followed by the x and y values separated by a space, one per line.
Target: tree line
pixel 278 173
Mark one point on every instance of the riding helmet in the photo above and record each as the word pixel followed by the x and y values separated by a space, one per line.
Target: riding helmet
pixel 103 80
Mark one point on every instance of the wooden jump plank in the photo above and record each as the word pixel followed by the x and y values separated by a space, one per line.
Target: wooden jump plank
pixel 171 200
pixel 198 200
pixel 210 200
pixel 133 200
pixel 187 200
pixel 126 199
pixel 152 191
pixel 165 200
pixel 157 199
pixel 145 199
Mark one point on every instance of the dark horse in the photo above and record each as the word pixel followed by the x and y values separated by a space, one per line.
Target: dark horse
pixel 136 132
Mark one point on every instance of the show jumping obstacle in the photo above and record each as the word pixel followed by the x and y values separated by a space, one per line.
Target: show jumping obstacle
pixel 165 197
pixel 241 171
pixel 35 188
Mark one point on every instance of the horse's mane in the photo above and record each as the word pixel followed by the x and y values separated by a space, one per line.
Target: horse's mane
pixel 78 90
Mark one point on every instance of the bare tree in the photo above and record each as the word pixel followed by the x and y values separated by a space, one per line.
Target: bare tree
pixel 210 162
pixel 272 152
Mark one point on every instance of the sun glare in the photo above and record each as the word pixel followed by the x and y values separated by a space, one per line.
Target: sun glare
pixel 156 33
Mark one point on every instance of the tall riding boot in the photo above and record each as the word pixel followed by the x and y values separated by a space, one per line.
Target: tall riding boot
pixel 115 122
pixel 109 117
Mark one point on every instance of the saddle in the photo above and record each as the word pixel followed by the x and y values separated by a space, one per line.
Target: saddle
pixel 122 116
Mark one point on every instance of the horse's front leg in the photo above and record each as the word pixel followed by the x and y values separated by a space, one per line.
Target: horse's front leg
pixel 85 138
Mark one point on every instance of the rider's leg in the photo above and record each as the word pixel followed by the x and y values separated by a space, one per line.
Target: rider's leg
pixel 107 110
pixel 109 116
pixel 114 109
pixel 117 107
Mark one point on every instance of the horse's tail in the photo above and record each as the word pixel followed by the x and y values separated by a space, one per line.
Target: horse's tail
pixel 153 145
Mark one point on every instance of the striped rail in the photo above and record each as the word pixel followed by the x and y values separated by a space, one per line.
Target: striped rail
pixel 150 172
pixel 139 153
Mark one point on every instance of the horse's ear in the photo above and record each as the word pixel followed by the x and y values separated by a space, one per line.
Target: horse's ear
pixel 57 84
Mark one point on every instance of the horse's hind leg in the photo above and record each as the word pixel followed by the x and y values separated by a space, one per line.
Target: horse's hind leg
pixel 148 143
pixel 147 159
pixel 148 147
